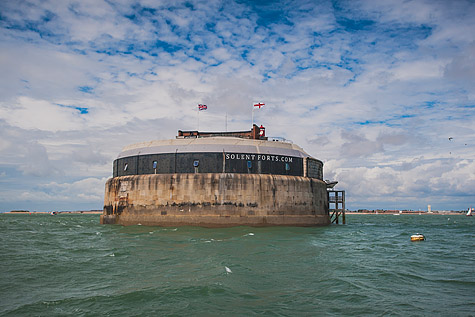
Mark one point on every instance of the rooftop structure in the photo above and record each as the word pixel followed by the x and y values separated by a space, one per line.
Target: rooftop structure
pixel 256 133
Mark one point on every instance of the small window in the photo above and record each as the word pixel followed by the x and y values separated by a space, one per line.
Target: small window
pixel 126 166
pixel 249 164
pixel 287 166
pixel 154 164
pixel 196 163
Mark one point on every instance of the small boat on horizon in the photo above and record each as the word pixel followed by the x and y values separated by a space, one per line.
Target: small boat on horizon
pixel 469 212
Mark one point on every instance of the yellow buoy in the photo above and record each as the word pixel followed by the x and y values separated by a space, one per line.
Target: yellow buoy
pixel 418 237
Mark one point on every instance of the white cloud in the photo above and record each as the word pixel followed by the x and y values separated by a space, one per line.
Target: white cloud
pixel 418 70
pixel 28 113
pixel 83 191
pixel 372 88
pixel 91 189
pixel 462 67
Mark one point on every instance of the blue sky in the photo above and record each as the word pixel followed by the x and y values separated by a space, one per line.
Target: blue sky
pixel 372 88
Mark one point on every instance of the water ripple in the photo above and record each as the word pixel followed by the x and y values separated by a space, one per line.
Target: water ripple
pixel 71 265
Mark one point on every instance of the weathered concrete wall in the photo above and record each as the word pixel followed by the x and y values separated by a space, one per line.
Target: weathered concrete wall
pixel 215 200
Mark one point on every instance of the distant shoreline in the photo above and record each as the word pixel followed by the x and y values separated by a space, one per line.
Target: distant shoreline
pixel 379 212
pixel 80 212
pixel 417 213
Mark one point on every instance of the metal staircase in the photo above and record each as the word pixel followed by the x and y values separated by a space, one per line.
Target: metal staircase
pixel 336 205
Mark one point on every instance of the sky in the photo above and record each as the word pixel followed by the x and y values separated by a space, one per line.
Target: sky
pixel 383 92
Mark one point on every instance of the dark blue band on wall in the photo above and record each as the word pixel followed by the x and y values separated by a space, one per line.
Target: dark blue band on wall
pixel 246 163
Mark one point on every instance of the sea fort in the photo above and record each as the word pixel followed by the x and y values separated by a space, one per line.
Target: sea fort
pixel 216 179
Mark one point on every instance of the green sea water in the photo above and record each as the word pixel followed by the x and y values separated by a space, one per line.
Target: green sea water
pixel 70 265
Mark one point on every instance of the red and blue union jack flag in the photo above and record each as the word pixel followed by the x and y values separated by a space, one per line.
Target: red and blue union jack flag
pixel 202 107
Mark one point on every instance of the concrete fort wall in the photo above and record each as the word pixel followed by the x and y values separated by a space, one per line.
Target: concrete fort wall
pixel 215 200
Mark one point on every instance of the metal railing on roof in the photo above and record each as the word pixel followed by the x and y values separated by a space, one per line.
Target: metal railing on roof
pixel 279 139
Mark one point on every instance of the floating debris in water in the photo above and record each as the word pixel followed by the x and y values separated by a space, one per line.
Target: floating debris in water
pixel 228 270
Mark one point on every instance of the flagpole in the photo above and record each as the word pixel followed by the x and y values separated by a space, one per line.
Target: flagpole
pixel 252 115
pixel 260 104
pixel 226 122
pixel 198 116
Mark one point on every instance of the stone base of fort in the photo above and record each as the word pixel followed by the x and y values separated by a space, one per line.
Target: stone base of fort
pixel 215 200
